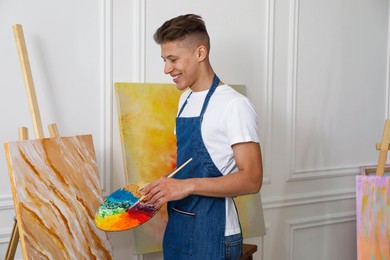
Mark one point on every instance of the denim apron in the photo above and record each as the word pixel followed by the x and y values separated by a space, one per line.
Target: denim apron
pixel 196 224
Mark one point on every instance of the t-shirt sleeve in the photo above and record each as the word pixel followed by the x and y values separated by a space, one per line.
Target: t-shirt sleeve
pixel 241 121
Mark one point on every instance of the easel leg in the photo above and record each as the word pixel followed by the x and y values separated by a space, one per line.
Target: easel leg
pixel 13 244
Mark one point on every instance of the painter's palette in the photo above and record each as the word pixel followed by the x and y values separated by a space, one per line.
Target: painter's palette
pixel 116 214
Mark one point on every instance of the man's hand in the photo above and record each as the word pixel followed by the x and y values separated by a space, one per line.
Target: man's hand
pixel 165 189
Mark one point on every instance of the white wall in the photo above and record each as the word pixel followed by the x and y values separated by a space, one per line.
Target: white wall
pixel 317 72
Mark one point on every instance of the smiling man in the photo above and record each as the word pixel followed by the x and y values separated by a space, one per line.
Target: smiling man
pixel 216 127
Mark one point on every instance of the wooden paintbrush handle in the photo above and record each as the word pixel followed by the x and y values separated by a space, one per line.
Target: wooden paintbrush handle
pixel 178 169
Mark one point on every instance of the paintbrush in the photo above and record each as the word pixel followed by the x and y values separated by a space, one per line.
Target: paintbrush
pixel 169 176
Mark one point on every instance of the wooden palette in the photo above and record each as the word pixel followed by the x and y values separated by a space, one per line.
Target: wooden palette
pixel 117 214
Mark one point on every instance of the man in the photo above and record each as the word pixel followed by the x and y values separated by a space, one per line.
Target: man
pixel 216 127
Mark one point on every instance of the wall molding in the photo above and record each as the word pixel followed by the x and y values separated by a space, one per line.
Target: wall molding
pixel 303 175
pixel 5 235
pixel 107 95
pixel 304 223
pixel 139 51
pixel 292 80
pixel 307 174
pixel 6 202
pixel 266 242
pixel 269 83
pixel 307 198
pixel 387 103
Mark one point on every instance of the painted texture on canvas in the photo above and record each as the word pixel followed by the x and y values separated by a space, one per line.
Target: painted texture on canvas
pixel 56 190
pixel 373 217
pixel 146 114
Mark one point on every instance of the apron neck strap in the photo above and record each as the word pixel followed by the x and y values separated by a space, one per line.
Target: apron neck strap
pixel 214 85
pixel 212 89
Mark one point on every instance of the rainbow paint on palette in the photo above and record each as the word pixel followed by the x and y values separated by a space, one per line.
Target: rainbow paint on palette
pixel 116 214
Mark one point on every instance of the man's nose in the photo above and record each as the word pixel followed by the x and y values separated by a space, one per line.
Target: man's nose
pixel 167 67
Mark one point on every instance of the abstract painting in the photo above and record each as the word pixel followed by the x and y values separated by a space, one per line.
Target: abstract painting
pixel 373 217
pixel 56 191
pixel 146 114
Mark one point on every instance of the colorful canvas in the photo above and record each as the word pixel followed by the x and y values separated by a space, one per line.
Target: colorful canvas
pixel 120 210
pixel 373 217
pixel 146 114
pixel 56 191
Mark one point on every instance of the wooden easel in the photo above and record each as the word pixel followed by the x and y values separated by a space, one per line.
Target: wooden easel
pixel 23 131
pixel 383 148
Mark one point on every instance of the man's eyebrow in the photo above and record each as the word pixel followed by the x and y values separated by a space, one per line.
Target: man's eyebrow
pixel 169 57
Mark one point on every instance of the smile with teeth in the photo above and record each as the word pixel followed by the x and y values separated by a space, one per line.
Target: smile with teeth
pixel 176 77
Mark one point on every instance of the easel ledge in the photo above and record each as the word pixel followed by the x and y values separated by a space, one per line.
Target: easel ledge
pixel 371 170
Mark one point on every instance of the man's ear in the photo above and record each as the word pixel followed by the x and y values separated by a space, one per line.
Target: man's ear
pixel 201 52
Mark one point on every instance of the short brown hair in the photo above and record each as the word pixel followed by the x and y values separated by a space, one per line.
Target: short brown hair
pixel 181 28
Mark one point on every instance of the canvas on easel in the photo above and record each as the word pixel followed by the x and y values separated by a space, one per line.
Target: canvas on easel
pixel 56 190
pixel 373 206
pixel 55 187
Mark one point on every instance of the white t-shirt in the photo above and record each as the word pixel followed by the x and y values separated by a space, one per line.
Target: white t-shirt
pixel 230 118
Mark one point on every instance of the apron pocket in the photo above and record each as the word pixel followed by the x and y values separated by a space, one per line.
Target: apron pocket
pixel 178 238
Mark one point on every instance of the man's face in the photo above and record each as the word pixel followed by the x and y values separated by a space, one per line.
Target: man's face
pixel 181 62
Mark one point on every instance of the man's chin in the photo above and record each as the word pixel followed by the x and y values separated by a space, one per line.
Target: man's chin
pixel 180 87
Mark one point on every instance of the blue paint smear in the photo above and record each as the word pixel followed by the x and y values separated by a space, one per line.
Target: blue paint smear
pixel 122 195
pixel 117 203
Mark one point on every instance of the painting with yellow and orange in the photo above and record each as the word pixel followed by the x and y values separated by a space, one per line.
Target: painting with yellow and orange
pixel 147 118
pixel 146 114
